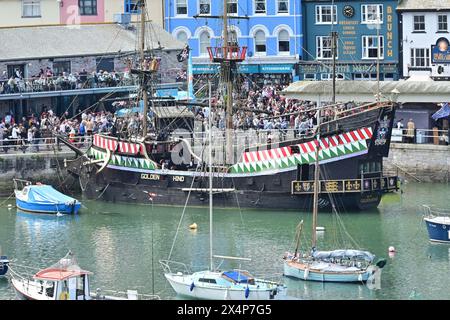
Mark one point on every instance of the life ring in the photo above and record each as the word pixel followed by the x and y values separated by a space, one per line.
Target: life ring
pixel 444 226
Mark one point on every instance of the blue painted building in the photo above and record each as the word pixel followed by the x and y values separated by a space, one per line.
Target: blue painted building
pixel 356 23
pixel 272 33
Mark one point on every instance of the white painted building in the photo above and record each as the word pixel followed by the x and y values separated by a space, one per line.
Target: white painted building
pixel 425 27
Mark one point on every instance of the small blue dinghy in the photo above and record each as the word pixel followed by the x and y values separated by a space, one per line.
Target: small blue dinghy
pixel 43 198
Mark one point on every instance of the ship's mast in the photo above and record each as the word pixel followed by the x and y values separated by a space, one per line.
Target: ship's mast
pixel 227 67
pixel 316 185
pixel 211 262
pixel 378 58
pixel 228 56
pixel 334 36
pixel 144 79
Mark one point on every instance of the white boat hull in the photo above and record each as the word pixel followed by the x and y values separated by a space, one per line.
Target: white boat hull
pixel 182 286
pixel 295 270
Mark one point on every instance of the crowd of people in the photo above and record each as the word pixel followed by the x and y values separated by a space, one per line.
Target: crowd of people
pixel 265 109
pixel 33 131
pixel 47 80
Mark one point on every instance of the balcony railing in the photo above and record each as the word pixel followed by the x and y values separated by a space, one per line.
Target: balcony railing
pixel 228 53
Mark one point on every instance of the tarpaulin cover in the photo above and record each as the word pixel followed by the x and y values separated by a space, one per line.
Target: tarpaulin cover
pixel 46 194
pixel 344 254
pixel 236 276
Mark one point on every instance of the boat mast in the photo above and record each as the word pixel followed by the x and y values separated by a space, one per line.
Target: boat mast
pixel 334 36
pixel 316 184
pixel 210 181
pixel 226 66
pixel 378 58
pixel 144 79
pixel 298 235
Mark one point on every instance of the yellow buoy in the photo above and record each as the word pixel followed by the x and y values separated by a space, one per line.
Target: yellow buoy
pixel 193 226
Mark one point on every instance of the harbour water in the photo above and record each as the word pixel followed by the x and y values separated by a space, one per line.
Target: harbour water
pixel 122 243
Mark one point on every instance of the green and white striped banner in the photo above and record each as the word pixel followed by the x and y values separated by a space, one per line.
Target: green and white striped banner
pixel 117 160
pixel 331 154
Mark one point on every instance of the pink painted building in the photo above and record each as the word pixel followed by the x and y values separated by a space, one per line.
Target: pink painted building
pixel 82 11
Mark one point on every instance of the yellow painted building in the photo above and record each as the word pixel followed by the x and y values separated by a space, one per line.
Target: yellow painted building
pixel 26 13
pixel 52 12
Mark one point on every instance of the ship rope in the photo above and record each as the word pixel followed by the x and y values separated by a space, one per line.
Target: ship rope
pixel 10 196
pixel 186 203
pixel 338 224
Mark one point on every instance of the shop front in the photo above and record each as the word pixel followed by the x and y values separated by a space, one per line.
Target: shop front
pixel 260 74
pixel 348 71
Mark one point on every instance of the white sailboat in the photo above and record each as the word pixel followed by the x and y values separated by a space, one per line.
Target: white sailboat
pixel 214 284
pixel 342 265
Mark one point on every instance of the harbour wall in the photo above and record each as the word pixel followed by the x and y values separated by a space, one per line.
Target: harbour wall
pixel 47 168
pixel 419 162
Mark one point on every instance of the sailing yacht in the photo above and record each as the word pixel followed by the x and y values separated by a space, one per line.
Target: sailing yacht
pixel 342 265
pixel 214 284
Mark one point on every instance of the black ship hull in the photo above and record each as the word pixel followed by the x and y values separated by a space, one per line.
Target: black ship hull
pixel 351 179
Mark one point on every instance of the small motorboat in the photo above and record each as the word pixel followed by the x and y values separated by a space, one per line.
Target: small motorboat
pixel 43 198
pixel 64 280
pixel 438 224
pixel 3 265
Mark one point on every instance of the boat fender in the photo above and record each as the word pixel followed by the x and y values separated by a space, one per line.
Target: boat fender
pixel 192 286
pixel 247 292
pixel 305 273
pixel 381 263
pixel 360 278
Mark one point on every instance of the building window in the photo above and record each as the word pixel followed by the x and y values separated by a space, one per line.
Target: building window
pixel 132 6
pixel 324 47
pixel 442 23
pixel 309 77
pixel 372 13
pixel 87 7
pixel 260 6
pixel 329 76
pixel 61 66
pixel 233 37
pixel 324 14
pixel 205 6
pixel 419 23
pixel 420 57
pixel 282 6
pixel 370 47
pixel 182 37
pixel 364 76
pixel 31 8
pixel 232 6
pixel 260 43
pixel 181 7
pixel 283 42
pixel 205 42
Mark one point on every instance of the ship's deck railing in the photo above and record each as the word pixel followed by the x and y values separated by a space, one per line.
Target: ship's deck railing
pixel 41 145
pixel 24 274
pixel 420 136
pixel 59 83
pixel 170 266
pixel 435 212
